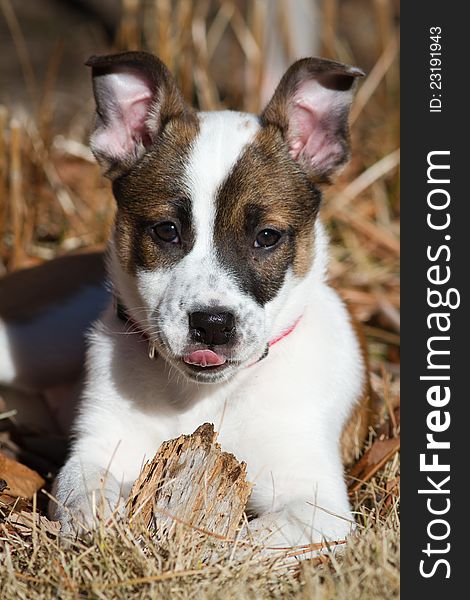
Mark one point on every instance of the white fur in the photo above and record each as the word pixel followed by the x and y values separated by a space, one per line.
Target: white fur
pixel 283 415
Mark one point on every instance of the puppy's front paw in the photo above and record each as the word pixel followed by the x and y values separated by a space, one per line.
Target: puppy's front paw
pixel 269 531
pixel 295 534
pixel 82 513
pixel 84 499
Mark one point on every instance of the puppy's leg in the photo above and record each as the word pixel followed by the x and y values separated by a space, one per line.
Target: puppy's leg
pixel 309 504
pixel 84 493
pixel 302 523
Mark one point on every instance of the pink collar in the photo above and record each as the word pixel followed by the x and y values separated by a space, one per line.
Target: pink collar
pixel 285 333
pixel 121 313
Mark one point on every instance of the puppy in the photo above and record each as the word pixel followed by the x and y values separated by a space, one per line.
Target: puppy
pixel 222 312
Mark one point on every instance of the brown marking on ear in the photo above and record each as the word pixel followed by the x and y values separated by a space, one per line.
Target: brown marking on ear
pixel 310 106
pixel 127 127
pixel 357 426
pixel 266 188
pixel 30 292
pixel 155 191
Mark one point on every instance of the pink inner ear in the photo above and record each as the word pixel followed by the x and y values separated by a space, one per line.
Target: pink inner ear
pixel 312 114
pixel 302 124
pixel 135 116
pixel 128 113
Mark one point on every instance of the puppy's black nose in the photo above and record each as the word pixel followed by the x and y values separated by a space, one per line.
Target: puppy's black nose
pixel 212 328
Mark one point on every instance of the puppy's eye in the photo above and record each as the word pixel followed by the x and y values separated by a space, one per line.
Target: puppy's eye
pixel 166 231
pixel 267 238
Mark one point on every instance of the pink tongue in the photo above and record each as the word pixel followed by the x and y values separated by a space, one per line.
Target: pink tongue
pixel 204 358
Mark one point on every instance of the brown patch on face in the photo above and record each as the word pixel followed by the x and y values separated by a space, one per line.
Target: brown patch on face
pixel 266 189
pixel 155 191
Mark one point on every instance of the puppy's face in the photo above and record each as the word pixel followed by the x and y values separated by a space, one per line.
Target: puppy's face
pixel 216 211
pixel 214 223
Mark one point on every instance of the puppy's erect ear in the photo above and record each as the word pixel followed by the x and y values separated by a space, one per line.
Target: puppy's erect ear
pixel 135 98
pixel 311 107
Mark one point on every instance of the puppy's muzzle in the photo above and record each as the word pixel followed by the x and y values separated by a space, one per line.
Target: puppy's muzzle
pixel 212 327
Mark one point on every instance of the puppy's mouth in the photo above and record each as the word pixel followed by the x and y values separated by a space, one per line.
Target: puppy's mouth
pixel 208 365
pixel 201 364
pixel 205 359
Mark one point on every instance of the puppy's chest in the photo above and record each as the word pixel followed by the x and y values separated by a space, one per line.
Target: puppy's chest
pixel 245 428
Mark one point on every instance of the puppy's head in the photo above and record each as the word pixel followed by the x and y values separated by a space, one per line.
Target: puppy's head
pixel 216 211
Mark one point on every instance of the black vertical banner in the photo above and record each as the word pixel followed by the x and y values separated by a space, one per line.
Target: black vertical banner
pixel 435 221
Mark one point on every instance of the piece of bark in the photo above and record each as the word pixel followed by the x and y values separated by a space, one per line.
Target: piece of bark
pixel 21 481
pixel 192 482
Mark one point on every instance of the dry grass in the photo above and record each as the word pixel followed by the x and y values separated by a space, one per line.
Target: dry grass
pixel 117 562
pixel 115 566
pixel 52 201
